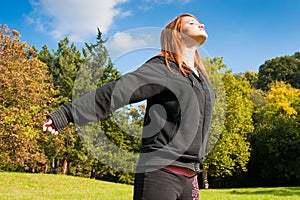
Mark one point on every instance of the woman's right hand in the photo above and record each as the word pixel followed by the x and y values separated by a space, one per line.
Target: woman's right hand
pixel 50 127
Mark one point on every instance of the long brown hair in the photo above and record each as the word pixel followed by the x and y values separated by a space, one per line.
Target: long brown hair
pixel 172 46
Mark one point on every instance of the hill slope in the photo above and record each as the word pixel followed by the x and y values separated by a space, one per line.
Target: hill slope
pixel 49 186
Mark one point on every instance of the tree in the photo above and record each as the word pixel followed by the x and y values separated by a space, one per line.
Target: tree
pixel 231 152
pixel 285 68
pixel 276 140
pixel 251 76
pixel 108 140
pixel 24 95
pixel 214 67
pixel 63 66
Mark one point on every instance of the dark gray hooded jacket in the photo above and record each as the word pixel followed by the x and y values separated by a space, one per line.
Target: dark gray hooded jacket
pixel 177 119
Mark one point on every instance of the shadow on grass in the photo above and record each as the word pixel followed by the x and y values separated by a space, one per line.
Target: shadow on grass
pixel 286 191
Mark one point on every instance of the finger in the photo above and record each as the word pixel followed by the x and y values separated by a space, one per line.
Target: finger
pixel 50 129
pixel 53 131
pixel 45 127
pixel 49 122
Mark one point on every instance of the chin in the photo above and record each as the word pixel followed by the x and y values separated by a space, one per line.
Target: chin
pixel 201 40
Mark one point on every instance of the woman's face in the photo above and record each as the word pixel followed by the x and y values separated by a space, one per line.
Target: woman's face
pixel 194 30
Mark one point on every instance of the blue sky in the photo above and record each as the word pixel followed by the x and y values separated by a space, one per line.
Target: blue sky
pixel 244 32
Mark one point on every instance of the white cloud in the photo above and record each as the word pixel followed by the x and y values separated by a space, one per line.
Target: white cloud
pixel 122 43
pixel 136 39
pixel 126 14
pixel 125 41
pixel 76 18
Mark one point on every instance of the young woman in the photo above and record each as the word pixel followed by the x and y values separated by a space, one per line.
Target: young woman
pixel 178 114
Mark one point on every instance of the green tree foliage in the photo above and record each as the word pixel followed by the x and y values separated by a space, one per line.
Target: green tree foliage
pixel 231 152
pixel 96 70
pixel 111 140
pixel 214 66
pixel 63 65
pixel 99 62
pixel 30 89
pixel 93 148
pixel 251 76
pixel 276 139
pixel 285 68
pixel 24 95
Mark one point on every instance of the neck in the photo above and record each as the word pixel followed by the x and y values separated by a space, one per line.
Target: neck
pixel 189 56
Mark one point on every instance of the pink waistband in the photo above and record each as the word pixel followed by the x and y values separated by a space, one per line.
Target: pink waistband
pixel 180 170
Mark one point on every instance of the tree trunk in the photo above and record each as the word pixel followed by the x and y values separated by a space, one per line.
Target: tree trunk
pixel 53 166
pixel 93 172
pixel 45 168
pixel 204 179
pixel 65 167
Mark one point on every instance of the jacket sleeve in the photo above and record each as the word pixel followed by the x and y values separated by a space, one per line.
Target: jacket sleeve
pixel 148 80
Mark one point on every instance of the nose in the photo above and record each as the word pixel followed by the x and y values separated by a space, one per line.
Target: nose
pixel 201 25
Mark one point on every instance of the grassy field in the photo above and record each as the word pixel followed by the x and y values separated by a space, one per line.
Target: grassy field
pixel 45 186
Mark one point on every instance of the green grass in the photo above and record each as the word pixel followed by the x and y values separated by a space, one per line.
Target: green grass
pixel 277 193
pixel 47 186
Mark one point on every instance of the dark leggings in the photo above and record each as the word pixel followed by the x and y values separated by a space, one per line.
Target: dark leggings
pixel 165 185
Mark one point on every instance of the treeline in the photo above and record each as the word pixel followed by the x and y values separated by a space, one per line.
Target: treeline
pixel 256 119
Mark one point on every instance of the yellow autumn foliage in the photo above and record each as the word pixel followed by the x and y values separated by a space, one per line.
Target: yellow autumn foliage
pixel 283 96
pixel 25 94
